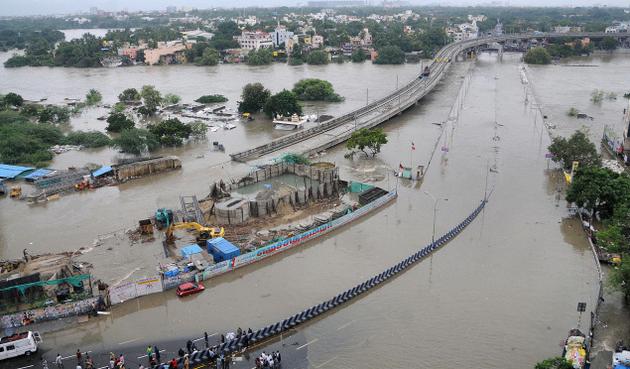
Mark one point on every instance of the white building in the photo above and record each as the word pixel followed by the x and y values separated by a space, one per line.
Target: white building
pixel 280 36
pixel 618 27
pixel 254 40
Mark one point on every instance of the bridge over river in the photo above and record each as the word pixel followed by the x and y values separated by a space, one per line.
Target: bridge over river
pixel 338 130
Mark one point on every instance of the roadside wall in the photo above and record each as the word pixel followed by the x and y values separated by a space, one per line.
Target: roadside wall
pixel 48 313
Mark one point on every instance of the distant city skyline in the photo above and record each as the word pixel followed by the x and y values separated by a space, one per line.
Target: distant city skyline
pixel 51 7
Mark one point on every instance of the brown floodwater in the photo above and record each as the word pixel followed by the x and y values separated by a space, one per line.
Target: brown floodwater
pixel 501 295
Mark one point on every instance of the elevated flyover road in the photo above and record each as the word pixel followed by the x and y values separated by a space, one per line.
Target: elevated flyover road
pixel 338 130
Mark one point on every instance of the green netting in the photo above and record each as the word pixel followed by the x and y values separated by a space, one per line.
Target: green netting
pixel 74 280
pixel 293 159
pixel 355 187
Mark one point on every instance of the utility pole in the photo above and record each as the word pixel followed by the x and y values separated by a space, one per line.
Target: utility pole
pixel 367 96
pixel 435 206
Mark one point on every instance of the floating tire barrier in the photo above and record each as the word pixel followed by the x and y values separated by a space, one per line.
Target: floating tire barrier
pixel 302 317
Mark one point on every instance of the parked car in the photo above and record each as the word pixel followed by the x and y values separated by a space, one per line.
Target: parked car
pixel 189 288
pixel 19 344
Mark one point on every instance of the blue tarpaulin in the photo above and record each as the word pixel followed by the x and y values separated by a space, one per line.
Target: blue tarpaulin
pixel 12 171
pixel 102 170
pixel 35 175
pixel 221 249
pixel 189 250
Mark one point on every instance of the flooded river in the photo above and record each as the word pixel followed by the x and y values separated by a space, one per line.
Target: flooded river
pixel 502 295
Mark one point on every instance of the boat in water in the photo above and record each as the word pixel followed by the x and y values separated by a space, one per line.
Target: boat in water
pixel 575 349
pixel 289 123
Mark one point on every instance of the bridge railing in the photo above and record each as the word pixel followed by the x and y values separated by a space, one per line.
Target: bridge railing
pixel 436 67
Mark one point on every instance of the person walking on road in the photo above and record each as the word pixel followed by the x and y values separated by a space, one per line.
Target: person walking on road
pixel 44 364
pixel 173 364
pixel 186 362
pixel 79 357
pixel 156 352
pixel 205 338
pixel 149 351
pixel 59 361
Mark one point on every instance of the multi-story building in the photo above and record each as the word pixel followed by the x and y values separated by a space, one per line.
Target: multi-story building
pixel 254 40
pixel 317 41
pixel 280 36
pixel 172 52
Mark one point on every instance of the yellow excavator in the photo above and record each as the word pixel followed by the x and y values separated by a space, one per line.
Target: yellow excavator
pixel 203 233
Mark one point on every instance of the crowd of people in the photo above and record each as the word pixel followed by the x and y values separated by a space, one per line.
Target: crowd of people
pixel 221 359
pixel 272 360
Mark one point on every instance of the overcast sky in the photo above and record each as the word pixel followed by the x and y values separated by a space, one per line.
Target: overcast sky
pixel 35 7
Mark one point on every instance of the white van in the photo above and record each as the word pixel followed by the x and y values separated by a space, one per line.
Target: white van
pixel 19 344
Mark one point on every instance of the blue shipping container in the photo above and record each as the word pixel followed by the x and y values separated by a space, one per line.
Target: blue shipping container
pixel 221 249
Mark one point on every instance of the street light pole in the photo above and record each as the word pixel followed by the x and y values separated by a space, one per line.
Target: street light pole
pixel 435 206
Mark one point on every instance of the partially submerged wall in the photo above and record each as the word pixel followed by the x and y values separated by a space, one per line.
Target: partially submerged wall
pixel 125 172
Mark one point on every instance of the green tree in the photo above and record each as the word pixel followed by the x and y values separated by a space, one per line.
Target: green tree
pixel 25 142
pixel 171 132
pixel 171 99
pixel 577 148
pixel 210 56
pixel 296 57
pixel 314 89
pixel 598 189
pixel 93 97
pixel 261 56
pixel 608 43
pixel 317 57
pixel 283 103
pixel 129 95
pixel 211 99
pixel 13 99
pixel 117 122
pixel 136 141
pixel 554 363
pixel 358 56
pixel 88 139
pixel 390 55
pixel 537 55
pixel 254 97
pixel 54 114
pixel 151 98
pixel 368 141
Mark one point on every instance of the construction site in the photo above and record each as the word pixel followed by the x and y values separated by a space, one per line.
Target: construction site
pixel 272 203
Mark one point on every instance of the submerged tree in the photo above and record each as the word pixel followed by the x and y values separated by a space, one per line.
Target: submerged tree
pixel 537 55
pixel 136 141
pixel 577 148
pixel 254 96
pixel 93 97
pixel 283 103
pixel 117 122
pixel 368 141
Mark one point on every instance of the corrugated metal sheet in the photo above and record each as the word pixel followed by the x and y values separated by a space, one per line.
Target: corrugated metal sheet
pixel 38 174
pixel 222 249
pixel 186 251
pixel 12 171
pixel 102 170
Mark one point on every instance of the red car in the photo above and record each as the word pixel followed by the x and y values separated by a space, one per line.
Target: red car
pixel 189 288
